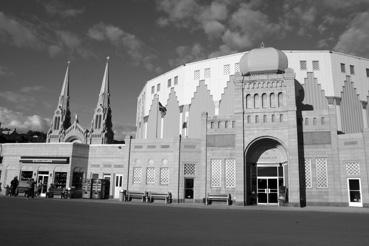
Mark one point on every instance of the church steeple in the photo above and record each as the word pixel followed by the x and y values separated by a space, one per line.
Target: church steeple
pixel 101 125
pixel 62 116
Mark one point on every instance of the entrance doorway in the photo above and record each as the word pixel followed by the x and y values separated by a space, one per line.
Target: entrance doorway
pixel 354 192
pixel 118 185
pixel 267 191
pixel 42 181
pixel 188 188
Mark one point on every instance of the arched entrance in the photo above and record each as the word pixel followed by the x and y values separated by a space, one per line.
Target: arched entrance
pixel 266 164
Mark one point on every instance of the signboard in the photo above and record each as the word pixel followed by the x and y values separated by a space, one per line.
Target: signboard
pixel 44 160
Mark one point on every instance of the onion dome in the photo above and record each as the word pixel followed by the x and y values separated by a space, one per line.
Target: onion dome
pixel 263 60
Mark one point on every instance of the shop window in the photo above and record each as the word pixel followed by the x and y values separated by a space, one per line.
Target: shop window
pixel 308 176
pixel 321 173
pixel 230 173
pixel 137 173
pixel 343 68
pixel 26 175
pixel 352 69
pixel 315 65
pixel 77 180
pixel 169 82
pixel 60 180
pixel 164 176
pixel 302 65
pixel 227 69
pixel 216 173
pixel 95 176
pixel 207 73
pixel 150 175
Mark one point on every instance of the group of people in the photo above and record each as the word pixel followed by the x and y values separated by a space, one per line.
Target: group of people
pixel 31 191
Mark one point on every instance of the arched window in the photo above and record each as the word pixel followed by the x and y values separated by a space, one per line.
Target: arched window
pixel 272 100
pixel 281 118
pixel 96 121
pixel 256 119
pixel 306 121
pixel 212 124
pixel 56 122
pixel 256 101
pixel 248 101
pixel 226 124
pixel 273 117
pixel 280 99
pixel 264 100
pixel 314 121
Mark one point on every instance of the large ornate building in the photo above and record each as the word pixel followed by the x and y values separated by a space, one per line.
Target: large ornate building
pixel 250 125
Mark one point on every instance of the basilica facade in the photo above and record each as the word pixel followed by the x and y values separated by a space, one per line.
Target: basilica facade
pixel 267 138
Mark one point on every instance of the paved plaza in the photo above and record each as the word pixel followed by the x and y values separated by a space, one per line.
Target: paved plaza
pixel 87 222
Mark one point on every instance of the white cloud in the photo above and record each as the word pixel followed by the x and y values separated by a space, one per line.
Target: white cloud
pixel 127 42
pixel 59 8
pixel 12 119
pixel 186 54
pixel 354 39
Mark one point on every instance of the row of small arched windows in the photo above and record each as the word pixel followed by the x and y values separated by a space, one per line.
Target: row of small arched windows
pixel 264 118
pixel 265 101
pixel 314 121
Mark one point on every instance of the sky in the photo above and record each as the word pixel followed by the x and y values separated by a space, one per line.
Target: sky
pixel 145 38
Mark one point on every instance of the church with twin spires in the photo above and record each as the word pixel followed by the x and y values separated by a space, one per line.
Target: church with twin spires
pixel 63 130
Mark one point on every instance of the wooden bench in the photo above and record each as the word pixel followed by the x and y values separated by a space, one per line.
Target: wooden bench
pixel 129 195
pixel 56 192
pixel 218 198
pixel 167 197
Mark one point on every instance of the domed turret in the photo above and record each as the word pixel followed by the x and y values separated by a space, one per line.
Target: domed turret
pixel 263 60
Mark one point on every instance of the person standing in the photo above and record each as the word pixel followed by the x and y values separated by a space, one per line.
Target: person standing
pixel 31 192
pixel 14 185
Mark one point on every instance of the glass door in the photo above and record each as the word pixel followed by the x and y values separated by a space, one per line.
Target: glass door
pixel 42 181
pixel 267 191
pixel 354 192
pixel 118 186
pixel 188 188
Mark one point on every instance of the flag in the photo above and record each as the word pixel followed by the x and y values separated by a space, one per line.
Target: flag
pixel 162 109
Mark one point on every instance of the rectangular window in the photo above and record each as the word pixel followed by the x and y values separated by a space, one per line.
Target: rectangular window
pixel 152 89
pixel 150 175
pixel 227 69
pixel 137 173
pixel 216 173
pixel 352 69
pixel 196 75
pixel 352 168
pixel 169 82
pixel 189 169
pixel 315 65
pixel 230 173
pixel 303 65
pixel 343 68
pixel 26 175
pixel 158 87
pixel 367 72
pixel 164 175
pixel 207 73
pixel 175 80
pixel 308 177
pixel 237 68
pixel 321 173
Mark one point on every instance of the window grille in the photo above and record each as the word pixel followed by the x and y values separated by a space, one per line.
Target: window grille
pixel 308 176
pixel 237 68
pixel 196 75
pixel 137 173
pixel 164 175
pixel 189 169
pixel 230 173
pixel 303 65
pixel 216 173
pixel 227 69
pixel 207 73
pixel 150 175
pixel 315 65
pixel 352 168
pixel 321 173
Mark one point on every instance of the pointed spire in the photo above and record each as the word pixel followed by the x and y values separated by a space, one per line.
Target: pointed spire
pixel 76 118
pixel 64 93
pixel 104 96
